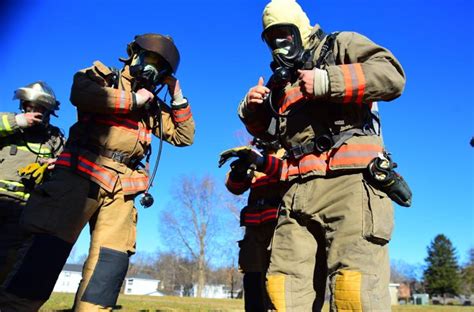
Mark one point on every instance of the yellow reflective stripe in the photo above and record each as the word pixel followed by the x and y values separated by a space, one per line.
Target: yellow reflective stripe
pixel 36 148
pixel 20 194
pixel 12 182
pixel 276 291
pixel 347 291
pixel 6 125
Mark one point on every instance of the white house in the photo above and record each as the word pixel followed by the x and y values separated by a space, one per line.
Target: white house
pixel 212 291
pixel 69 278
pixel 141 284
pixel 393 289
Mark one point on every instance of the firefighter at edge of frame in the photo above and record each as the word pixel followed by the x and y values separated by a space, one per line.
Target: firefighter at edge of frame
pixel 99 174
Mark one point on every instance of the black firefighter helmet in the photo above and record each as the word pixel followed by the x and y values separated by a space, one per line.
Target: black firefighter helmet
pixel 156 43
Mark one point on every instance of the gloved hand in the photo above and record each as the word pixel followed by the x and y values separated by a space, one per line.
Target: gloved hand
pixel 174 88
pixel 241 170
pixel 36 170
pixel 383 177
pixel 245 153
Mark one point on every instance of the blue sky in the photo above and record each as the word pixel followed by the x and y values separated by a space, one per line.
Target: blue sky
pixel 427 129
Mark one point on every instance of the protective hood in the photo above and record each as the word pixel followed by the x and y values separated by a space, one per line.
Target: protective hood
pixel 287 12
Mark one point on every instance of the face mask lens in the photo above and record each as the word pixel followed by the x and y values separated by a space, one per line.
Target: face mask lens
pixel 284 44
pixel 279 37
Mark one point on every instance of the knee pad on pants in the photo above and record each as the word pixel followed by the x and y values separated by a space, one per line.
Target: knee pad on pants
pixel 276 290
pixel 104 286
pixel 347 290
pixel 40 267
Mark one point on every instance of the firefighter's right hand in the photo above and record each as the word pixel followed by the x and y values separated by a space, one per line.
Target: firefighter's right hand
pixel 257 94
pixel 27 120
pixel 143 97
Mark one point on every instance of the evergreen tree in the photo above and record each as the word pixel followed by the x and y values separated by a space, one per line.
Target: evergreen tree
pixel 467 275
pixel 442 274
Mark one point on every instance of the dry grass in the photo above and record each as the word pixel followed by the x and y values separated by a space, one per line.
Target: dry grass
pixel 59 302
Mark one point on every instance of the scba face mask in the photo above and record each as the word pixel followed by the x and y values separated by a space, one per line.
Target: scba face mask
pixel 284 41
pixel 148 70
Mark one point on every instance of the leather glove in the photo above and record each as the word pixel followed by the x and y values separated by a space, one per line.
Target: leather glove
pixel 383 176
pixel 245 153
pixel 241 170
pixel 36 170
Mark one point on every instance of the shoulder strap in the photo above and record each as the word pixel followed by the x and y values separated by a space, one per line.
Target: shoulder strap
pixel 327 56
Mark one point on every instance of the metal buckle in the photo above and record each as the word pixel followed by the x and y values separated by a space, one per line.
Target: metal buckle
pixel 297 151
pixel 118 157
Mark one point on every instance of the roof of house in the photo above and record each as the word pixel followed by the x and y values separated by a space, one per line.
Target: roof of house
pixel 72 267
pixel 142 276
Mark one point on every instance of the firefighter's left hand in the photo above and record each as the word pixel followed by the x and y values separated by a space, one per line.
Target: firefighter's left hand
pixel 174 88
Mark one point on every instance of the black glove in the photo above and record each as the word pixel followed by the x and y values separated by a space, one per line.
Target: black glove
pixel 383 177
pixel 241 170
pixel 245 153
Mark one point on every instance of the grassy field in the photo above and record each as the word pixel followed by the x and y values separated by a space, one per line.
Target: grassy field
pixel 60 302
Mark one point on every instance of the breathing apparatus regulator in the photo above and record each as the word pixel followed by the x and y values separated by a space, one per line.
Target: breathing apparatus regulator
pixel 289 55
pixel 284 41
pixel 152 58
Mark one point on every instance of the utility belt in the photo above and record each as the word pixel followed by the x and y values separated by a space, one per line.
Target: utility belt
pixel 123 158
pixel 325 142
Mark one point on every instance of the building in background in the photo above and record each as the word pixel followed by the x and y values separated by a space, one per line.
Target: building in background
pixel 393 289
pixel 141 284
pixel 69 278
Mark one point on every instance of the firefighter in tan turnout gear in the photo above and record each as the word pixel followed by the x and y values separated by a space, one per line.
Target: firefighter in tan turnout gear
pixel 259 216
pixel 98 176
pixel 29 145
pixel 336 217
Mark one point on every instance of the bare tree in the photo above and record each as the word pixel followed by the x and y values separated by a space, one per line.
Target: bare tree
pixel 194 222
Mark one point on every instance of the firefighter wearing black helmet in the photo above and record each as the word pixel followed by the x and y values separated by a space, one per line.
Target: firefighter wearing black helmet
pixel 98 176
pixel 28 147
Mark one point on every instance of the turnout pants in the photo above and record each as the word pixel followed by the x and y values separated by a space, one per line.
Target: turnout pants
pixel 55 215
pixel 334 228
pixel 11 235
pixel 254 258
